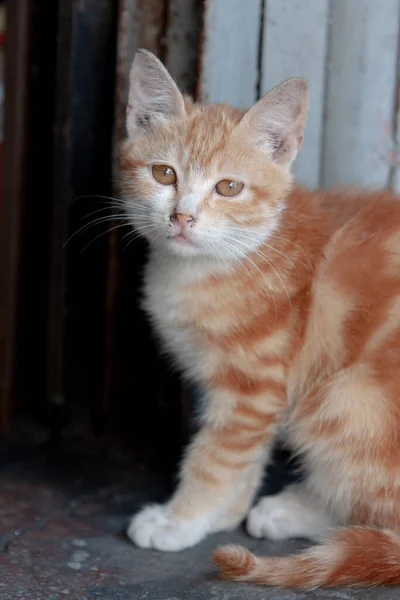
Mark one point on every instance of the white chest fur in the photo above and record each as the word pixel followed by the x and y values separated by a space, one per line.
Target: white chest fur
pixel 167 301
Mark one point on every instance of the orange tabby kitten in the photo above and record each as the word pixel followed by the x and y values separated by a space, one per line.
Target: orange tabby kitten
pixel 285 304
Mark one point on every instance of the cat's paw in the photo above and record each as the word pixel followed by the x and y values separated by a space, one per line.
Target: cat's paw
pixel 272 518
pixel 154 527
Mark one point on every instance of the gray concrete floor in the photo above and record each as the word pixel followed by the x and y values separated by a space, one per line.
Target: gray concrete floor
pixel 62 523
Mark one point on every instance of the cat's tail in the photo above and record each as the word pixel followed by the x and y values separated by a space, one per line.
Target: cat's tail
pixel 350 556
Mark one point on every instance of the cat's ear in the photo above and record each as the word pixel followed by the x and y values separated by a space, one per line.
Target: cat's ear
pixel 278 119
pixel 153 94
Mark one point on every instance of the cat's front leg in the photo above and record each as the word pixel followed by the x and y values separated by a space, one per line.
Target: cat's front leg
pixel 219 476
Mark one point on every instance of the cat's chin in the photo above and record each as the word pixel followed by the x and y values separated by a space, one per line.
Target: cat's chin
pixel 183 247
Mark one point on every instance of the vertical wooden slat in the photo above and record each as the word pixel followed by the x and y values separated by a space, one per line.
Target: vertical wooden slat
pixel 360 93
pixel 152 16
pixel 294 44
pixel 127 42
pixel 230 52
pixel 33 293
pixel 12 197
pixel 181 42
pixel 82 169
pixel 62 193
pixel 395 172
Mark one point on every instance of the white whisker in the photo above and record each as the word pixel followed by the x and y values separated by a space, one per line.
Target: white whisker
pixel 134 235
pixel 96 222
pixel 245 237
pixel 104 233
pixel 263 257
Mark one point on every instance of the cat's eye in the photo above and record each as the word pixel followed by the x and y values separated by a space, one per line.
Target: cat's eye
pixel 164 174
pixel 226 187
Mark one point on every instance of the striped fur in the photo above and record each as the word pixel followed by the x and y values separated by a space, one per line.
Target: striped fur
pixel 285 304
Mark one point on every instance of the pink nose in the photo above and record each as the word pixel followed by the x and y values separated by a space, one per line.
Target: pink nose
pixel 183 218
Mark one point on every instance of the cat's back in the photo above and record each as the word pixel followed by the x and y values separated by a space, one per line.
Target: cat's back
pixel 354 311
pixel 356 290
pixel 363 248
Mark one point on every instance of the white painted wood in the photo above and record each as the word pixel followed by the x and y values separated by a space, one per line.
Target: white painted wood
pixel 360 92
pixel 229 54
pixel 396 157
pixel 294 44
pixel 396 146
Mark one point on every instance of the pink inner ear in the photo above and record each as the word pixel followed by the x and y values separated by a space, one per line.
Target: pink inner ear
pixel 278 119
pixel 152 93
pixel 284 149
pixel 284 140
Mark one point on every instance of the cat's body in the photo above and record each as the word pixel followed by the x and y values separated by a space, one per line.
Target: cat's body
pixel 285 305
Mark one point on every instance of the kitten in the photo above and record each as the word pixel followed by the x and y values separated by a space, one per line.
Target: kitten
pixel 285 304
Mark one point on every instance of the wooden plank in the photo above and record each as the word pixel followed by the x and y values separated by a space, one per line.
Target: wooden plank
pixel 151 16
pixel 13 196
pixel 230 51
pixel 33 293
pixel 82 168
pixel 360 94
pixel 294 44
pixel 181 42
pixel 127 44
pixel 61 199
pixel 141 24
pixel 395 172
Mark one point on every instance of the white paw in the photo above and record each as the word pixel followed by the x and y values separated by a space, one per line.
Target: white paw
pixel 154 527
pixel 272 518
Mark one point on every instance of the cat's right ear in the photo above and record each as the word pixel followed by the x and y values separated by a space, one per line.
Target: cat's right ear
pixel 153 94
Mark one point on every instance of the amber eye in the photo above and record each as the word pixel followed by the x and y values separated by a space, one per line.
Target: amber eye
pixel 229 188
pixel 164 174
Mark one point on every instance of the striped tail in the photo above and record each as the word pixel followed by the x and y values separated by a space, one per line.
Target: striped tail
pixel 350 556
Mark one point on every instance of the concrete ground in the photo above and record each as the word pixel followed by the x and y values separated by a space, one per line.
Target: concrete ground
pixel 62 523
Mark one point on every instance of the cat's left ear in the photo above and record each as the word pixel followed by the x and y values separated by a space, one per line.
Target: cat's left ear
pixel 153 94
pixel 278 119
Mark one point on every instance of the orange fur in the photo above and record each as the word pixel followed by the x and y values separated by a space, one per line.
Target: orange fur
pixel 285 303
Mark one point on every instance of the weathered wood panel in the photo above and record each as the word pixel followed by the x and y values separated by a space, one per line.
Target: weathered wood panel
pixel 13 196
pixel 33 307
pixel 294 44
pixel 230 52
pixel 61 199
pixel 360 95
pixel 181 42
pixel 395 172
pixel 82 167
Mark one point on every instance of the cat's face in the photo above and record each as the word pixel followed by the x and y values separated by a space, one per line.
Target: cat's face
pixel 206 180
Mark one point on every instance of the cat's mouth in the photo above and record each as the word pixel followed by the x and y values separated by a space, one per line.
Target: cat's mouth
pixel 181 239
pixel 182 245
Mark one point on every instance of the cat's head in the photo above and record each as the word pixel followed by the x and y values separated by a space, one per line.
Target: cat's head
pixel 207 180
